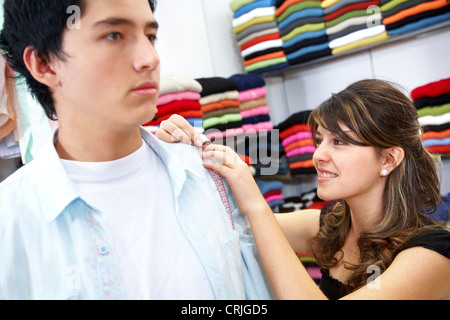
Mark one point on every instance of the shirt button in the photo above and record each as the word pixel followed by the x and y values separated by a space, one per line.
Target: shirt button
pixel 103 250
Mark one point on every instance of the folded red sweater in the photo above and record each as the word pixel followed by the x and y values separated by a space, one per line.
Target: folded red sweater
pixel 185 114
pixel 439 149
pixel 351 7
pixel 432 89
pixel 177 106
pixel 190 114
pixel 267 37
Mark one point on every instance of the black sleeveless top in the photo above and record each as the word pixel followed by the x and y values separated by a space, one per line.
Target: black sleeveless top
pixel 434 239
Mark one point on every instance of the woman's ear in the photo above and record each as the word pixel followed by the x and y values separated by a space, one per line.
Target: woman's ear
pixel 392 157
pixel 39 68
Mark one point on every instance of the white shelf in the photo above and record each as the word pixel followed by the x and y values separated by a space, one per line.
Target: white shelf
pixel 393 39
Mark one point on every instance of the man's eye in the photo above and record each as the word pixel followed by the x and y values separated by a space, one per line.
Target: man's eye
pixel 114 36
pixel 152 38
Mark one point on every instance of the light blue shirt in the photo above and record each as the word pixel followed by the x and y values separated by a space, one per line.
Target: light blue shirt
pixel 54 245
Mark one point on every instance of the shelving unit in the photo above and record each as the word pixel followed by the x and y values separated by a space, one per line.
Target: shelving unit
pixel 393 39
pixel 306 182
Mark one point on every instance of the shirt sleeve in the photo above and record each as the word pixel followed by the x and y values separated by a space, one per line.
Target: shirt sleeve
pixel 257 286
pixel 434 239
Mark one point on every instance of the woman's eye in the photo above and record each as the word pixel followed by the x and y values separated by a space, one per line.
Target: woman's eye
pixel 338 142
pixel 317 141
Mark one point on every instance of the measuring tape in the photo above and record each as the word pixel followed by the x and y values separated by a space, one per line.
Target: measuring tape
pixel 217 180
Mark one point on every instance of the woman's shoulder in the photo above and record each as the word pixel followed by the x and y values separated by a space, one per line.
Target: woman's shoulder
pixel 436 239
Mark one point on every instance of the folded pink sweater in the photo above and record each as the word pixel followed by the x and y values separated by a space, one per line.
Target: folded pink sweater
pixel 176 96
pixel 252 94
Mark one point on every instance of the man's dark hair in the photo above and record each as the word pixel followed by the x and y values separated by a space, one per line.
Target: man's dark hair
pixel 40 24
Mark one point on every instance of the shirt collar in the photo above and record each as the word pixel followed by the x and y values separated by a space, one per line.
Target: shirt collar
pixel 179 159
pixel 56 190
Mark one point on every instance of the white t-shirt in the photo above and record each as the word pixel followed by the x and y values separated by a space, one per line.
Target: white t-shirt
pixel 135 193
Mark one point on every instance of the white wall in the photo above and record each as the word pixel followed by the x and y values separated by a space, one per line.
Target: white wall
pixel 195 38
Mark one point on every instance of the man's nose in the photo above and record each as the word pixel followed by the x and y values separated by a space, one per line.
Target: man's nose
pixel 146 56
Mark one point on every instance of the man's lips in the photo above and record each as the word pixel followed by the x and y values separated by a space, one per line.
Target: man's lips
pixel 147 89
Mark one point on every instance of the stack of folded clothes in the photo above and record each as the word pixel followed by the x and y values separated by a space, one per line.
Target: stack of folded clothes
pixel 443 209
pixel 302 29
pixel 353 24
pixel 179 94
pixel 432 102
pixel 266 153
pixel 298 144
pixel 253 106
pixel 307 200
pixel 257 35
pixel 349 22
pixel 272 192
pixel 405 16
pixel 311 266
pixel 220 106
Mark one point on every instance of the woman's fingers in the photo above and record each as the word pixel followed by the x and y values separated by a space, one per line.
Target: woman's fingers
pixel 177 129
pixel 167 132
pixel 227 163
pixel 230 166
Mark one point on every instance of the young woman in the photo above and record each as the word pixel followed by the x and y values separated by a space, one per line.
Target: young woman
pixel 377 241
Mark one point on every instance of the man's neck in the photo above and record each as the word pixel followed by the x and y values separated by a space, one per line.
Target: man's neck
pixel 92 145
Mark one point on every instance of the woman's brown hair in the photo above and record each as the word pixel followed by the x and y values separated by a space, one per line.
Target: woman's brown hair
pixel 382 116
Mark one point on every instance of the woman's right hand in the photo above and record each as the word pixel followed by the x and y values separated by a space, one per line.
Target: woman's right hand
pixel 229 165
pixel 235 171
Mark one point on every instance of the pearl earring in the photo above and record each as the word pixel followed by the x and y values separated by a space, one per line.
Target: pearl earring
pixel 384 173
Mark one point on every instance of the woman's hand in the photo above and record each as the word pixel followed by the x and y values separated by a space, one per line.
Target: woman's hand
pixel 177 129
pixel 230 166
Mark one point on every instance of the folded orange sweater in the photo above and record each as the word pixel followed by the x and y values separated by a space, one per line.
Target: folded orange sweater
pixel 301 164
pixel 426 6
pixel 299 143
pixel 274 55
pixel 220 105
pixel 435 134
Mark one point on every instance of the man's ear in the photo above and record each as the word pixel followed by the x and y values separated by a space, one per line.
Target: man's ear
pixel 39 68
pixel 392 158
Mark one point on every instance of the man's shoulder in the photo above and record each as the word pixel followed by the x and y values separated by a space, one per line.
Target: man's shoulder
pixel 24 174
pixel 17 193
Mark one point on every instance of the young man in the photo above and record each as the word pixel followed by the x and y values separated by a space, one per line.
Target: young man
pixel 106 210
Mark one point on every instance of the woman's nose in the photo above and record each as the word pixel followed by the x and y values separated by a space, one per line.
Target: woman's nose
pixel 321 153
